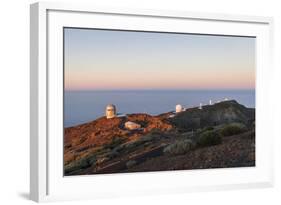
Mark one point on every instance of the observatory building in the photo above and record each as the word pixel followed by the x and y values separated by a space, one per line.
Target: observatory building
pixel 110 111
pixel 132 125
pixel 179 108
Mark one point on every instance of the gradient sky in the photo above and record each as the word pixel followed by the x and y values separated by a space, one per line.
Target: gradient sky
pixel 108 60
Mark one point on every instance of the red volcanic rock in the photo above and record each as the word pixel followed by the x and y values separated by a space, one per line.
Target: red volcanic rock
pixel 150 122
pixel 82 139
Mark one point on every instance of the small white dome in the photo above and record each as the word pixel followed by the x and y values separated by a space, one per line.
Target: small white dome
pixel 179 108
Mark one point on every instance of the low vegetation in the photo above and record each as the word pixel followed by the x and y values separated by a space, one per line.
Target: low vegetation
pixel 209 128
pixel 209 138
pixel 217 114
pixel 115 141
pixel 179 147
pixel 131 163
pixel 233 129
pixel 146 139
pixel 80 164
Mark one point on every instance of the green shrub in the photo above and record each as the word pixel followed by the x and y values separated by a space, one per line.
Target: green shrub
pixel 233 129
pixel 208 128
pixel 131 163
pixel 115 141
pixel 155 131
pixel 179 147
pixel 83 163
pixel 148 138
pixel 187 135
pixel 209 138
pixel 112 154
pixel 131 145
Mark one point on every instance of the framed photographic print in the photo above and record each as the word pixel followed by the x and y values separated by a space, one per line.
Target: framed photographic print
pixel 122 97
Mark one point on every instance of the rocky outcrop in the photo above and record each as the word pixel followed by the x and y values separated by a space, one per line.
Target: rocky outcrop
pixel 212 115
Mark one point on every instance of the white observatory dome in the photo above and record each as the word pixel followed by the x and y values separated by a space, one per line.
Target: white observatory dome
pixel 179 108
pixel 110 111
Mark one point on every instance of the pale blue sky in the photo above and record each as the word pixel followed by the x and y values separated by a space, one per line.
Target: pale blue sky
pixel 106 59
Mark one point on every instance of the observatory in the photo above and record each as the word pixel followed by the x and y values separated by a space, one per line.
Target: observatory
pixel 110 111
pixel 179 108
pixel 132 125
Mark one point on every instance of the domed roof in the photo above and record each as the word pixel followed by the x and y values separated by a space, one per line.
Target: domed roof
pixel 110 106
pixel 110 111
pixel 179 108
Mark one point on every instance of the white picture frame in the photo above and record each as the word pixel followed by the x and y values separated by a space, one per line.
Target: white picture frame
pixel 47 182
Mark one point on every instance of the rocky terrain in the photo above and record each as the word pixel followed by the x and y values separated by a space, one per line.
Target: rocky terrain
pixel 219 135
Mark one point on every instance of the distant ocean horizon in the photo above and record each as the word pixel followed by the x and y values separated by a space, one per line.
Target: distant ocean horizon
pixel 84 106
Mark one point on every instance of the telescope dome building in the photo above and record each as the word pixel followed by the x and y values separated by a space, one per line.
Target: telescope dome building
pixel 110 111
pixel 179 108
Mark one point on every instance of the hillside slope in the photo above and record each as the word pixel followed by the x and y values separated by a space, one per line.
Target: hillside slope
pixel 106 146
pixel 212 115
pixel 86 138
